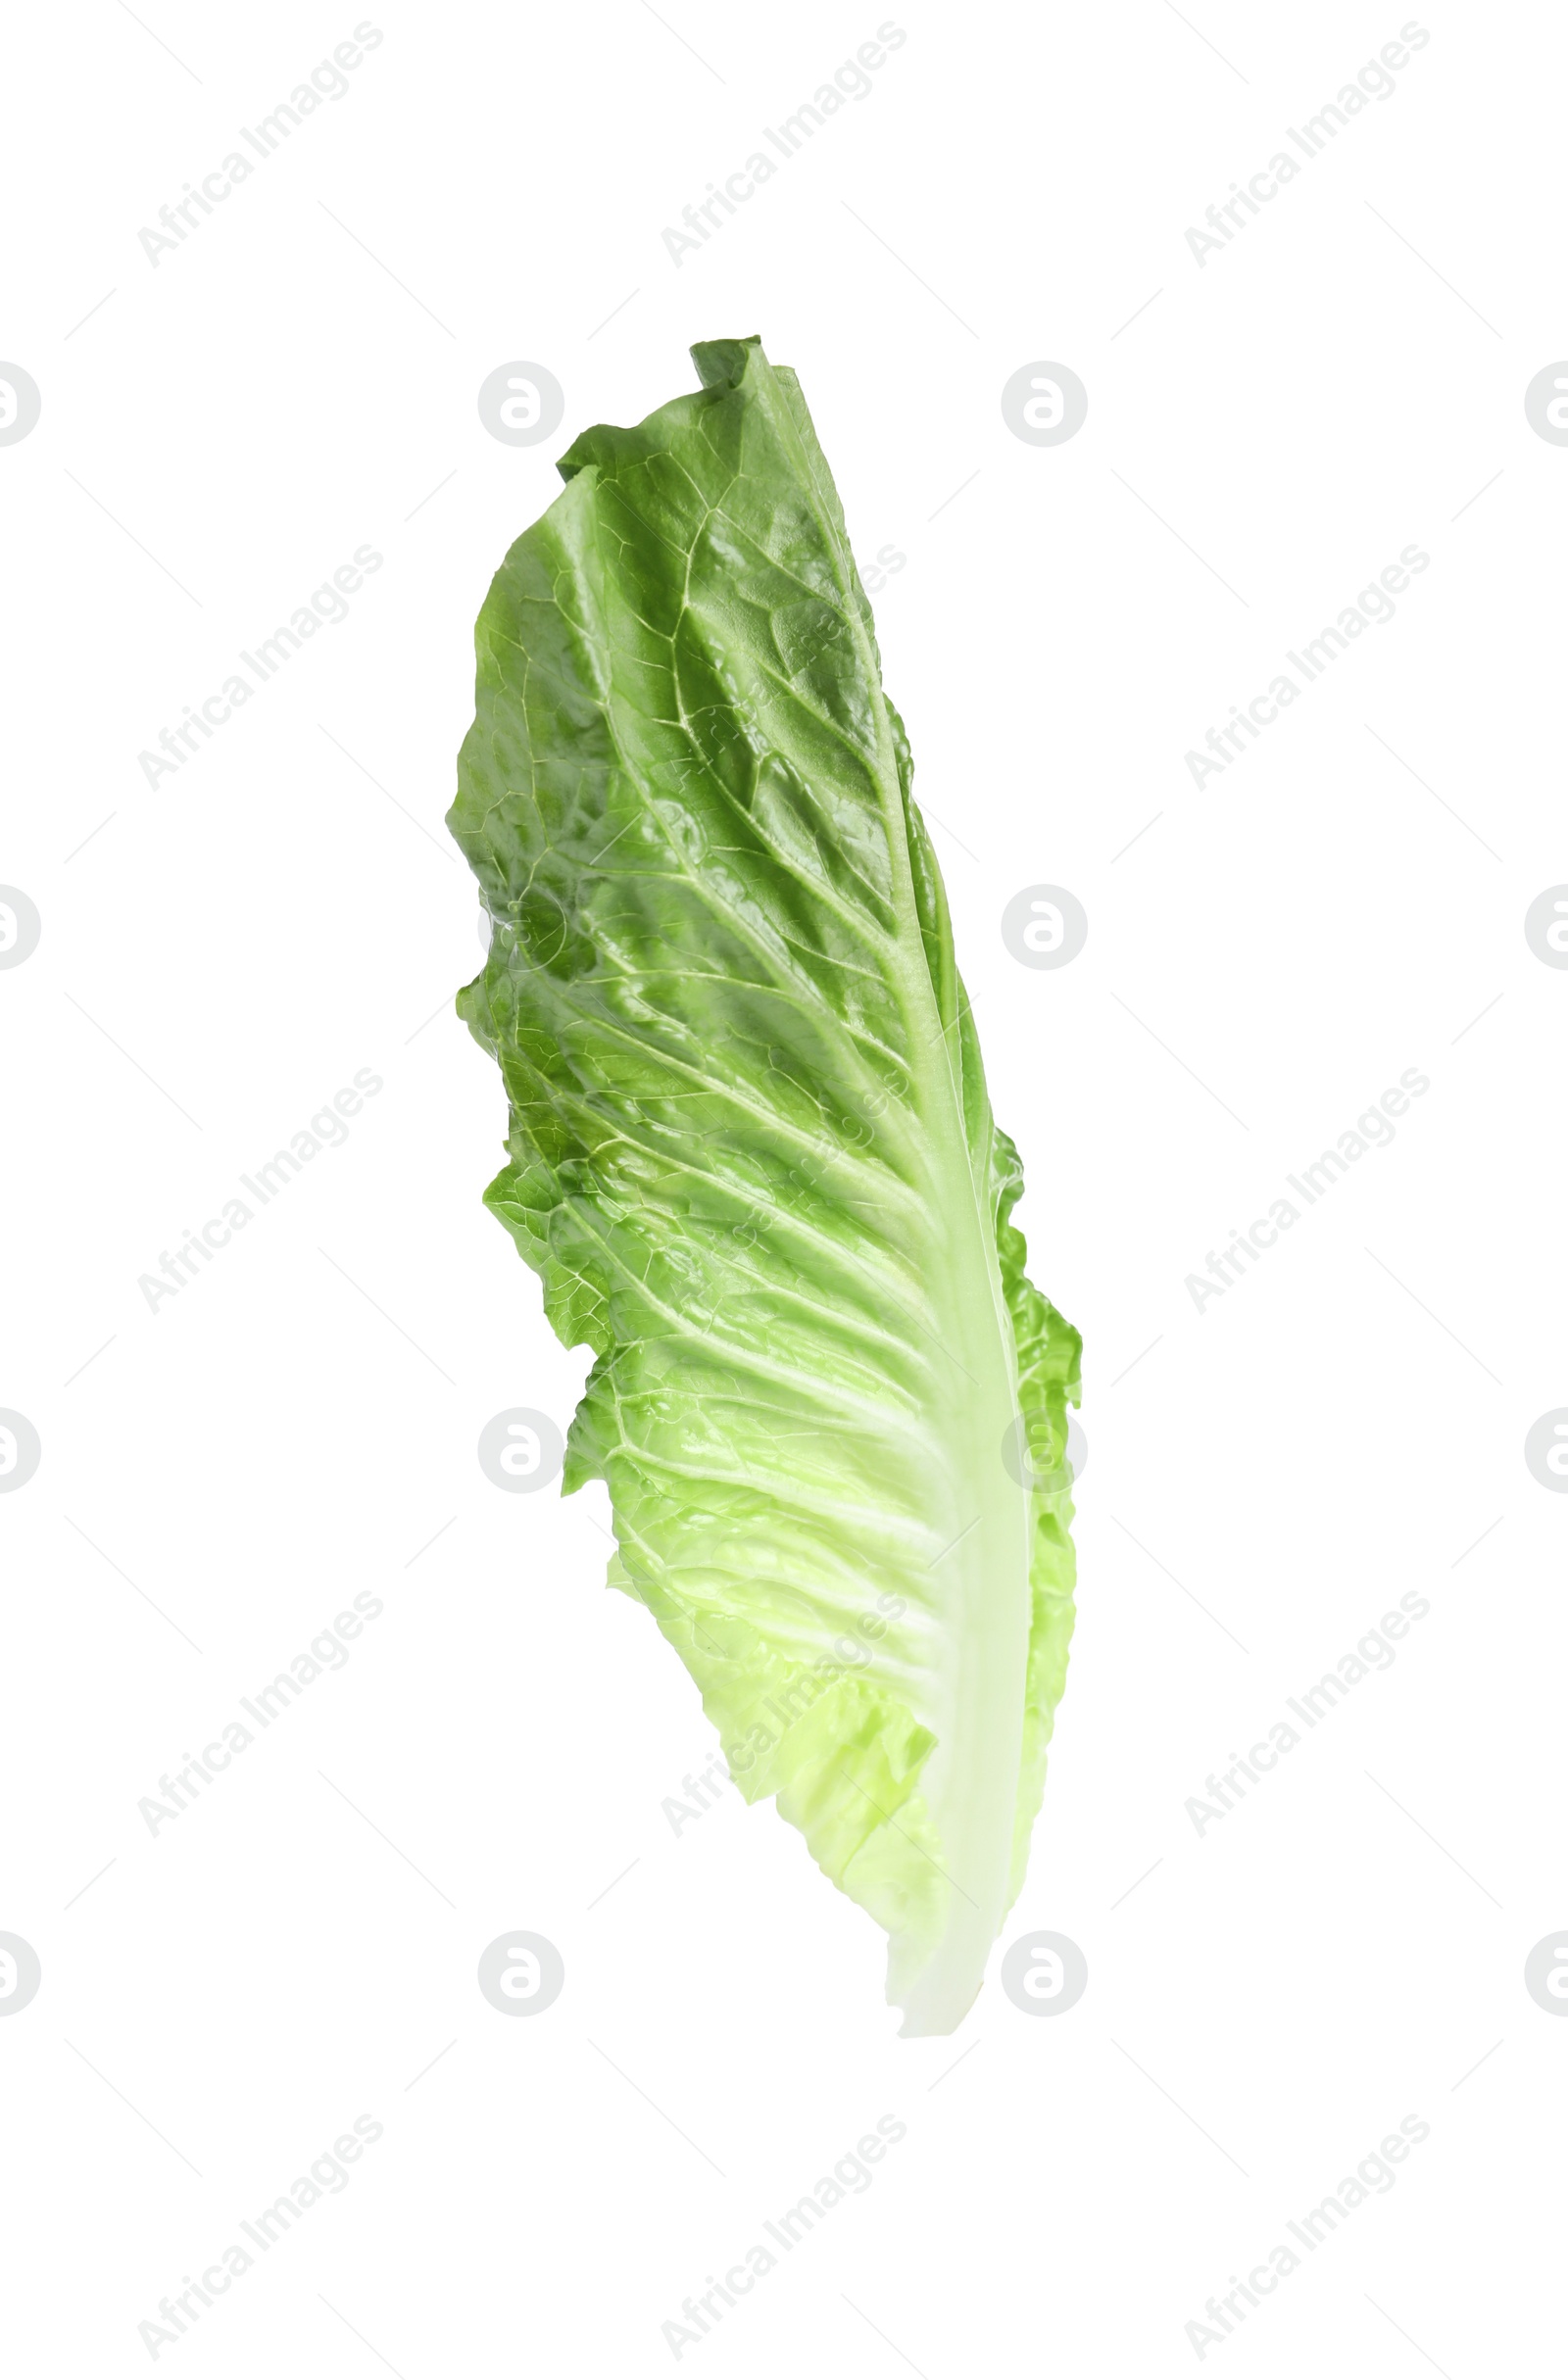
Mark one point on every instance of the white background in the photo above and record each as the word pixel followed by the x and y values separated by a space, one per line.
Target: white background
pixel 219 954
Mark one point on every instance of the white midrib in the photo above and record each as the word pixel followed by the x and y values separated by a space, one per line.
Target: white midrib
pixel 971 1784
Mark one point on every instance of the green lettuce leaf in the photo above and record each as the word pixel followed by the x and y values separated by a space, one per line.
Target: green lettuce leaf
pixel 753 1161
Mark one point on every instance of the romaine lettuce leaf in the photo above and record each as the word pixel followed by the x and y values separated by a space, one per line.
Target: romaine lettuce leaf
pixel 753 1161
